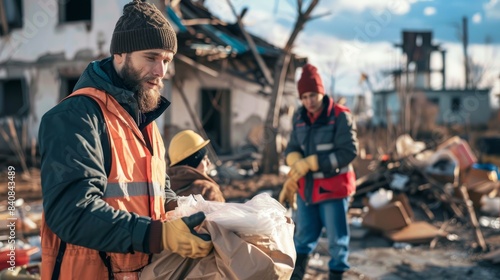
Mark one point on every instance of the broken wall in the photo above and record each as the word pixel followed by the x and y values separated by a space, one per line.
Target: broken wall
pixel 245 101
pixel 43 35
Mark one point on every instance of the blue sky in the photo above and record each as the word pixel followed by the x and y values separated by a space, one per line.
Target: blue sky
pixel 444 17
pixel 358 35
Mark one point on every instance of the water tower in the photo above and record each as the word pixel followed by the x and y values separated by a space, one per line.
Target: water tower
pixel 417 48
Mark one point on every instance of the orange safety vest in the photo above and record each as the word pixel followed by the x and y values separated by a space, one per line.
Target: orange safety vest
pixel 136 183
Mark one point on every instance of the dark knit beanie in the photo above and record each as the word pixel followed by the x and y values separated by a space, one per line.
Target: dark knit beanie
pixel 310 81
pixel 194 159
pixel 141 27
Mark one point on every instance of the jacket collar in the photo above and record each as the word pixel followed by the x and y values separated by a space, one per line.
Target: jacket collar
pixel 328 109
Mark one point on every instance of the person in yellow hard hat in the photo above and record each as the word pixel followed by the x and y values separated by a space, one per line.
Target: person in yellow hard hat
pixel 189 165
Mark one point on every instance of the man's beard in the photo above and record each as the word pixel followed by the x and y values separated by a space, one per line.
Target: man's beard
pixel 147 99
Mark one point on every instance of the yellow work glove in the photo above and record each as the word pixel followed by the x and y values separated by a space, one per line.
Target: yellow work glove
pixel 180 237
pixel 288 193
pixel 301 167
pixel 292 158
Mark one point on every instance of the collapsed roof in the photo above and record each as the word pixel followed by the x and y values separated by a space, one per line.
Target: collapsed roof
pixel 205 40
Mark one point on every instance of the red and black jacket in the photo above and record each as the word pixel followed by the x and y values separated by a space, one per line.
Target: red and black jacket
pixel 332 137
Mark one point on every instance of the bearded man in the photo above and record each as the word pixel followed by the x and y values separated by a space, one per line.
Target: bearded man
pixel 104 183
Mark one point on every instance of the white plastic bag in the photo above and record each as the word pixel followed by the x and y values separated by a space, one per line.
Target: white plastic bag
pixel 406 146
pixel 380 198
pixel 260 215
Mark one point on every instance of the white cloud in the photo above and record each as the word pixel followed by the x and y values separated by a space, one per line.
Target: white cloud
pixel 483 55
pixel 477 18
pixel 491 3
pixel 429 11
pixel 268 28
pixel 399 7
pixel 221 9
pixel 351 57
pixel 346 59
pixel 492 9
pixel 360 53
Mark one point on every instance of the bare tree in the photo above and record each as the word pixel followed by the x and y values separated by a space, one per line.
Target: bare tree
pixel 475 70
pixel 270 159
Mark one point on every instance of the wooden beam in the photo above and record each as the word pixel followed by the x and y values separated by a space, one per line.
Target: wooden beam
pixel 472 218
pixel 3 18
pixel 253 47
pixel 197 65
pixel 196 120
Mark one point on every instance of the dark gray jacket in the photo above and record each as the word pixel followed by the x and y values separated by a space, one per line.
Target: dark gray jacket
pixel 75 153
pixel 332 137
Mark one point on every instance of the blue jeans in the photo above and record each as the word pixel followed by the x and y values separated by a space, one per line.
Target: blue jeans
pixel 310 220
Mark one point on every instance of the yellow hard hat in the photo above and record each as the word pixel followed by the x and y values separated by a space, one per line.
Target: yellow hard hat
pixel 184 144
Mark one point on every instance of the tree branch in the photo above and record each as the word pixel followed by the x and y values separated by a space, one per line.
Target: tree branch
pixel 253 47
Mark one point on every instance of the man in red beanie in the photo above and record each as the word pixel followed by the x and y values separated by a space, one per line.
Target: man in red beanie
pixel 322 145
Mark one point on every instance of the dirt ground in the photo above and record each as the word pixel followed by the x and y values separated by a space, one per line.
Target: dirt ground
pixel 375 257
pixel 372 255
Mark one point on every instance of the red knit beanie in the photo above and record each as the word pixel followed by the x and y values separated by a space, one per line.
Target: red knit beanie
pixel 310 81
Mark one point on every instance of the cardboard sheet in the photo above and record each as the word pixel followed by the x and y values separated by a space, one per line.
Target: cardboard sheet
pixel 416 232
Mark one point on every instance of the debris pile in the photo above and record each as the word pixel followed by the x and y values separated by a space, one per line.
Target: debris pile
pixel 416 198
pixel 444 185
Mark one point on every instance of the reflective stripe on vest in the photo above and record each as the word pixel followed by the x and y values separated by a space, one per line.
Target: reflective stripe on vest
pixel 321 175
pixel 136 183
pixel 114 190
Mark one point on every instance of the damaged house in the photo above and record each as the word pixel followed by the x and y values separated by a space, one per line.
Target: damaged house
pixel 217 82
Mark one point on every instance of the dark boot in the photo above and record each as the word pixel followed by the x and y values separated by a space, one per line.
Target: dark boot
pixel 335 275
pixel 300 267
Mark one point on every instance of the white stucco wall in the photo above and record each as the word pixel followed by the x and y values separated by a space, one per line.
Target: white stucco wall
pixel 475 106
pixel 391 103
pixel 41 32
pixel 246 104
pixel 41 35
pixel 43 96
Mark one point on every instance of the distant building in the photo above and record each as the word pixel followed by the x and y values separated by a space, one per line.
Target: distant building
pixel 454 106
pixel 412 96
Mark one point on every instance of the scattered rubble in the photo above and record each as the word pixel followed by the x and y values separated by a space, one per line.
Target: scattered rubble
pixel 420 212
